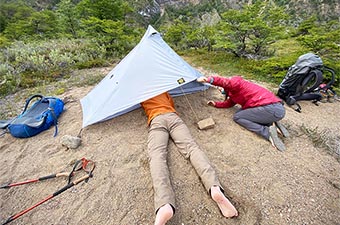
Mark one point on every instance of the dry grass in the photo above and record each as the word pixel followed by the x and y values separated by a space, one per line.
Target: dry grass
pixel 326 139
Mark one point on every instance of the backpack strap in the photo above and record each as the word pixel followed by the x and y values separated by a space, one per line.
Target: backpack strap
pixel 292 102
pixel 317 75
pixel 298 107
pixel 51 106
pixel 55 120
pixel 30 99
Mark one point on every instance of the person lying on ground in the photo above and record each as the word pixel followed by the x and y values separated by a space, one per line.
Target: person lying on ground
pixel 260 110
pixel 164 123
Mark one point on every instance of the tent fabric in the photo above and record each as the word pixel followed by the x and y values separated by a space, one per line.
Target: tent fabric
pixel 150 69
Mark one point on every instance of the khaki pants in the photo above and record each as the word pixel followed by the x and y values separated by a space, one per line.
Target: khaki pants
pixel 161 128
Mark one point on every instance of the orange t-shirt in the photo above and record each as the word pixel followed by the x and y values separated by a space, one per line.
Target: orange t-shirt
pixel 160 104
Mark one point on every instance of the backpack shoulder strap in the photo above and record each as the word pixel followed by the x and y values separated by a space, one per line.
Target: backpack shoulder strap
pixel 30 99
pixel 315 74
pixel 51 106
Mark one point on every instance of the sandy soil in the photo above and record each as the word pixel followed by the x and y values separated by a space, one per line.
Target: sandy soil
pixel 299 186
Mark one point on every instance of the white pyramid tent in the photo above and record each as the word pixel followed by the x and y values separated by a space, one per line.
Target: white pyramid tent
pixel 150 69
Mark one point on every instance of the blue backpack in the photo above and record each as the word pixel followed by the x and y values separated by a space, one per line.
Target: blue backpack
pixel 39 117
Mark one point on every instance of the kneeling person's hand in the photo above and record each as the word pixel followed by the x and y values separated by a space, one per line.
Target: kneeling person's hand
pixel 211 103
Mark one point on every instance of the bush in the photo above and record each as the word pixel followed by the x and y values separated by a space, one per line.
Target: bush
pixel 30 64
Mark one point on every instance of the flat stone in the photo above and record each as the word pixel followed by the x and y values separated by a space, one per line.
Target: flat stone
pixel 70 141
pixel 206 124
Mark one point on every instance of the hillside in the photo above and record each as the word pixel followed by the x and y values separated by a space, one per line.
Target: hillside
pixel 298 186
pixel 299 9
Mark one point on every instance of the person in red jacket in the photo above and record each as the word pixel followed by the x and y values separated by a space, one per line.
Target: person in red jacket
pixel 164 123
pixel 260 110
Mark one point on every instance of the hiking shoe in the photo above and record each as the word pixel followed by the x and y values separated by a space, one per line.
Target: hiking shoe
pixel 290 101
pixel 282 129
pixel 275 140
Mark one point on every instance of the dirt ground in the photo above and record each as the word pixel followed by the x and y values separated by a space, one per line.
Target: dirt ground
pixel 299 186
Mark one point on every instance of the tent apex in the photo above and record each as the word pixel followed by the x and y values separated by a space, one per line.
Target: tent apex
pixel 151 30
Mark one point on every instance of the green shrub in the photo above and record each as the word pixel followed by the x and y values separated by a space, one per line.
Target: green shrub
pixel 91 63
pixel 30 64
pixel 4 42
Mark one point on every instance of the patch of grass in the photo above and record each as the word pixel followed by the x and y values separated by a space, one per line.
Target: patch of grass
pixel 91 63
pixel 325 139
pixel 287 47
pixel 60 91
pixel 220 62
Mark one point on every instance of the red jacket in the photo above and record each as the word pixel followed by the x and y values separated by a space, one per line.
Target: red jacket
pixel 242 92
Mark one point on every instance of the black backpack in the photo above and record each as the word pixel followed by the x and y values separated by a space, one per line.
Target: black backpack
pixel 303 80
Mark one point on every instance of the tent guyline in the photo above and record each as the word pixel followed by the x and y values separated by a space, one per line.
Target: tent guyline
pixel 192 109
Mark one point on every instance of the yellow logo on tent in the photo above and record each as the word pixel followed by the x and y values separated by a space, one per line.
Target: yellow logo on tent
pixel 181 81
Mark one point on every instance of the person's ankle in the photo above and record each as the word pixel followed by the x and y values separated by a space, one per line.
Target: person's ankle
pixel 215 190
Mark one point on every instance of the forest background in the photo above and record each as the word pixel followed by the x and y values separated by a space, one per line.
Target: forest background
pixel 44 41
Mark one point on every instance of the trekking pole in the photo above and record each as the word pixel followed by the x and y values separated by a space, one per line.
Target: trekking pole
pixel 87 165
pixel 35 180
pixel 76 167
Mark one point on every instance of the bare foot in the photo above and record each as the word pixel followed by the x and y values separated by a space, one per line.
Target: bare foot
pixel 164 214
pixel 227 209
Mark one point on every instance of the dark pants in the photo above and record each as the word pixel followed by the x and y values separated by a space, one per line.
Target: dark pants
pixel 258 119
